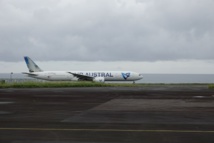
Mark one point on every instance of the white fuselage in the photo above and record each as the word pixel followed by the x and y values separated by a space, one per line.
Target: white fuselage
pixel 107 75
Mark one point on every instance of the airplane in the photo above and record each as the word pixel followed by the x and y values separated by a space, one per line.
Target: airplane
pixel 97 76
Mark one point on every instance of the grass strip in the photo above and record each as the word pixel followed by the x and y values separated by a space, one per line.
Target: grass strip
pixel 62 84
pixel 211 86
pixel 88 84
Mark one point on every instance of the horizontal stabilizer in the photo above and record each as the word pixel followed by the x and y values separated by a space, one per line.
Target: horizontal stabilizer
pixel 30 74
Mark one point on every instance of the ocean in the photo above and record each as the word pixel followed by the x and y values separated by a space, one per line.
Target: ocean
pixel 177 78
pixel 147 78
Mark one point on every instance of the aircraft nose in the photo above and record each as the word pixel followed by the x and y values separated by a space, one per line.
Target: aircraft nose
pixel 140 75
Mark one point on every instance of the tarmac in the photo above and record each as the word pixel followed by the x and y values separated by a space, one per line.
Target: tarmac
pixel 147 114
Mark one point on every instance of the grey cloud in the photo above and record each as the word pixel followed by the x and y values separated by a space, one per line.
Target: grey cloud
pixel 82 30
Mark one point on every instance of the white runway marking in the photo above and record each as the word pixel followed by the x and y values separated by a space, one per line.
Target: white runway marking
pixel 107 130
pixel 4 112
pixel 5 102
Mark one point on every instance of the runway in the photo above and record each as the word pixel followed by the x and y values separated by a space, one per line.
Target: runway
pixel 150 114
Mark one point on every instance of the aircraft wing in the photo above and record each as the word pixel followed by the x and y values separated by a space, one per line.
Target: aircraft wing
pixel 82 77
pixel 30 74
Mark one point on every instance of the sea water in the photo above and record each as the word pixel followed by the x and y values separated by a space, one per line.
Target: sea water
pixel 177 78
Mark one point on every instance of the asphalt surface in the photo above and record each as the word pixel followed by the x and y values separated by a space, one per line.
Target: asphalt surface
pixel 150 114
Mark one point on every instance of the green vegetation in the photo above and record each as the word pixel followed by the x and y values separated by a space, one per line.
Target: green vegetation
pixel 34 84
pixel 62 84
pixel 2 81
pixel 211 86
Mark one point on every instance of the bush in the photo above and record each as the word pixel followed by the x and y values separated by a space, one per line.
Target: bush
pixel 2 81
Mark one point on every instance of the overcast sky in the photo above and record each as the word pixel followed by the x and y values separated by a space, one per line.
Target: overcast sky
pixel 153 36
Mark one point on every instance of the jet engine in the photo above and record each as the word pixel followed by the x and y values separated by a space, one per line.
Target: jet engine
pixel 99 79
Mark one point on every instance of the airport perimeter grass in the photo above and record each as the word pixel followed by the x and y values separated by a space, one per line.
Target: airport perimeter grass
pixel 86 84
pixel 211 86
pixel 62 84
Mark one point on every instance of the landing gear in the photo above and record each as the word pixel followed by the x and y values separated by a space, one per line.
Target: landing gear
pixel 133 82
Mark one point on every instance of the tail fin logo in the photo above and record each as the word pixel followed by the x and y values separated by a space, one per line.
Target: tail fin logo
pixel 31 65
pixel 125 75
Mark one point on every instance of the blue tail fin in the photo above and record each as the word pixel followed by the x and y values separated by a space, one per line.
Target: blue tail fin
pixel 31 65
